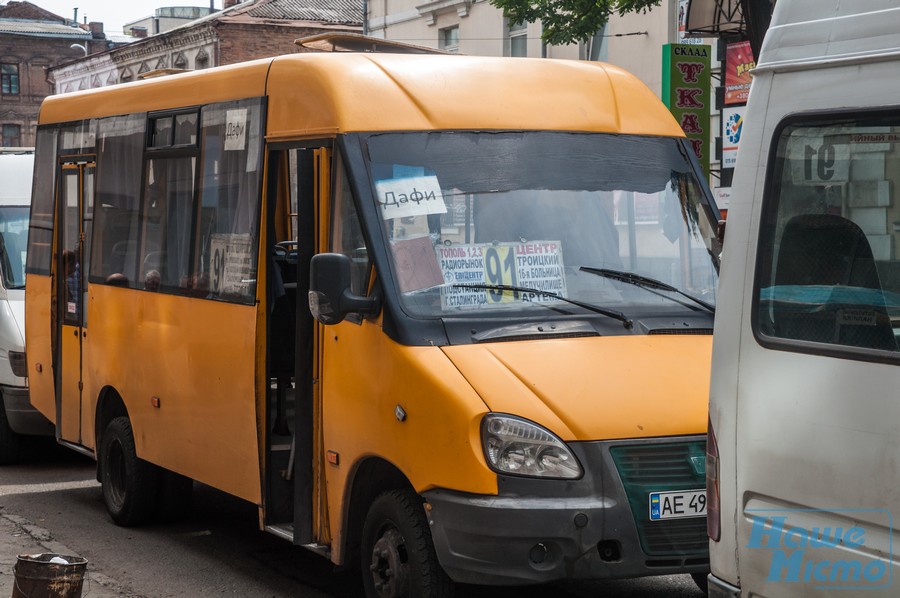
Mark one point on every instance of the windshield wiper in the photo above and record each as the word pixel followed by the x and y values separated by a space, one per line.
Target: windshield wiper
pixel 617 315
pixel 651 284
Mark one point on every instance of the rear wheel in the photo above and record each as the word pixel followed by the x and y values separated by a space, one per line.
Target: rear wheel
pixel 397 555
pixel 130 484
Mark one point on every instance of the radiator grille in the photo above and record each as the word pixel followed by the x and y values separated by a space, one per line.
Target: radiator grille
pixel 664 467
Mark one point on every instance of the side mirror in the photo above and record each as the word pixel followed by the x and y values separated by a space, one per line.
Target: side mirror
pixel 330 297
pixel 720 232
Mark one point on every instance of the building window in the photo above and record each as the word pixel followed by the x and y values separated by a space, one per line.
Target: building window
pixel 449 40
pixel 596 48
pixel 517 39
pixel 202 60
pixel 12 136
pixel 9 79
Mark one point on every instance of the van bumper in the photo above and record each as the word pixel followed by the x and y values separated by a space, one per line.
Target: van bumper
pixel 722 589
pixel 23 418
pixel 536 531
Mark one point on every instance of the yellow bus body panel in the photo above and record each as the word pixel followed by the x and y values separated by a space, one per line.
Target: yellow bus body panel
pixel 199 363
pixel 598 388
pixel 368 376
pixel 38 342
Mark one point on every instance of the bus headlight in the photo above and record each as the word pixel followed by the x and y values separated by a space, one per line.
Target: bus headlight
pixel 516 446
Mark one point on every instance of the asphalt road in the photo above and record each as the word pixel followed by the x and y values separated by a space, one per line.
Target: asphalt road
pixel 216 550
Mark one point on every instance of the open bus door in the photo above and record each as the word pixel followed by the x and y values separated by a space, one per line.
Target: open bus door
pixel 298 188
pixel 75 204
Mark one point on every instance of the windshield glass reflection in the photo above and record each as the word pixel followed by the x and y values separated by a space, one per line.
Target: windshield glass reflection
pixel 530 209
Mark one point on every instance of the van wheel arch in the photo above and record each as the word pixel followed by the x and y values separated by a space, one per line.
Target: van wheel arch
pixel 109 406
pixel 130 485
pixel 372 478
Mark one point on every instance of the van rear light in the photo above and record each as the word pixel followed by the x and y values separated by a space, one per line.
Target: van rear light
pixel 713 511
pixel 18 364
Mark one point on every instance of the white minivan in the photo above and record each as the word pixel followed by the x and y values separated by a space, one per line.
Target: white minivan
pixel 803 463
pixel 17 416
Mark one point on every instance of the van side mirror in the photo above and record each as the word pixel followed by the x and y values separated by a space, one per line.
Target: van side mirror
pixel 330 297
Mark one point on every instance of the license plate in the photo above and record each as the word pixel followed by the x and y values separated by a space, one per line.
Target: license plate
pixel 678 504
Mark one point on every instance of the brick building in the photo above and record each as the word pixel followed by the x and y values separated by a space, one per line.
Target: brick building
pixel 241 31
pixel 31 40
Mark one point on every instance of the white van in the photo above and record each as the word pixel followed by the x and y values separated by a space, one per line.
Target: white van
pixel 803 457
pixel 17 416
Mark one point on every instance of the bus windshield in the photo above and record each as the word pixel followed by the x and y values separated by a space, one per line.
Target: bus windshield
pixel 13 239
pixel 480 222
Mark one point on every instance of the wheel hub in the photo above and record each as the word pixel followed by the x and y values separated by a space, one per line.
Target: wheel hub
pixel 389 569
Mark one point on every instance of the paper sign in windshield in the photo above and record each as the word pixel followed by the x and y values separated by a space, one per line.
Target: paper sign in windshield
pixel 412 196
pixel 536 265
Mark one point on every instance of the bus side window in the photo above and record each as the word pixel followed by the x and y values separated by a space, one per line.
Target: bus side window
pixel 120 148
pixel 226 235
pixel 166 220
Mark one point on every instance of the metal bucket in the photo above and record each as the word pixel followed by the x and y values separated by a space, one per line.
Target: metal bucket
pixel 48 576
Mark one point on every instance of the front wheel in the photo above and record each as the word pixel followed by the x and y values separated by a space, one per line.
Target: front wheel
pixel 397 555
pixel 130 484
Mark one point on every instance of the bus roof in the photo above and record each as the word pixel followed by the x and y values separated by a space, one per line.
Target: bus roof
pixel 321 94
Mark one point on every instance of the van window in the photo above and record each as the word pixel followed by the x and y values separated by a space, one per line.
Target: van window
pixel 829 270
pixel 13 237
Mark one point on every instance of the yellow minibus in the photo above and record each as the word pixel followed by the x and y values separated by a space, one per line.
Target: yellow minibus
pixel 444 318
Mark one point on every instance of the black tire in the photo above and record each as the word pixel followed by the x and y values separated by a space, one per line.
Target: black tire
pixel 130 484
pixel 397 555
pixel 9 440
pixel 702 581
pixel 175 492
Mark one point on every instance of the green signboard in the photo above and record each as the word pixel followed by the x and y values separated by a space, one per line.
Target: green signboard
pixel 686 92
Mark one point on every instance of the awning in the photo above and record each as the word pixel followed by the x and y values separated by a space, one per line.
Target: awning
pixel 715 18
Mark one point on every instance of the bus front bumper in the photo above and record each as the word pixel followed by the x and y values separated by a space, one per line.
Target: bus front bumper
pixel 23 418
pixel 537 531
pixel 722 589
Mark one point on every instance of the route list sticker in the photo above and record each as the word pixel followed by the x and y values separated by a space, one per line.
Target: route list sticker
pixel 533 264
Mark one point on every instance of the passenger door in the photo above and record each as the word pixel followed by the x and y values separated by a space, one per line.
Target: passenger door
pixel 75 202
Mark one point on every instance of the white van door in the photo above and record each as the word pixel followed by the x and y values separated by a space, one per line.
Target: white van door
pixel 818 410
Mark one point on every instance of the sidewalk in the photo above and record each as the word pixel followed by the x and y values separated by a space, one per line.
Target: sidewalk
pixel 20 536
